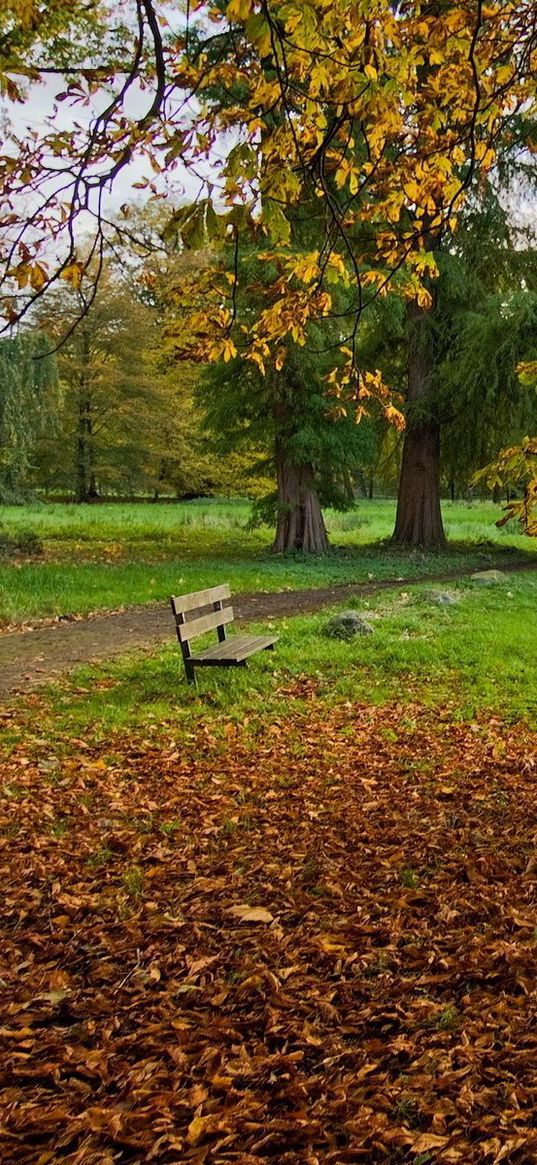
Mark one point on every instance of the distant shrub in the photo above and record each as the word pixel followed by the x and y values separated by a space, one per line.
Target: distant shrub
pixel 26 544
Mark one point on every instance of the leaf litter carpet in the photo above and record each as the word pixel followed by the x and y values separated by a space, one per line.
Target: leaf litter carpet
pixel 309 941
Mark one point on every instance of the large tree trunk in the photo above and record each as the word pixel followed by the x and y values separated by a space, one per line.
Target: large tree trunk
pixel 419 516
pixel 300 524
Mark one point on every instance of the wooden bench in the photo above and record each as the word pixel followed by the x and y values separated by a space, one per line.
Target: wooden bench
pixel 232 652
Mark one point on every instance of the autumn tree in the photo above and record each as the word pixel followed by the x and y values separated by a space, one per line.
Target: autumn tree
pixel 111 392
pixel 385 117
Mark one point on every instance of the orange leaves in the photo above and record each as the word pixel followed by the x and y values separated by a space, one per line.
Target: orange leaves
pixel 175 1027
pixel 394 417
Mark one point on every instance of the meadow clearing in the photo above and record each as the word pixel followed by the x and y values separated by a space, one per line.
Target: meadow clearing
pixel 101 557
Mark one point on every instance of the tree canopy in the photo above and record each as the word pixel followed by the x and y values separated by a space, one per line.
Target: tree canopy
pixel 385 112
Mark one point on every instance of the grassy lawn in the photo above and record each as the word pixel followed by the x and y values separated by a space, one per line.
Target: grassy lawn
pixel 106 556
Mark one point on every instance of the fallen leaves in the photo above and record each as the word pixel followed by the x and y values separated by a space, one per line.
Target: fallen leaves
pixel 314 943
pixel 250 913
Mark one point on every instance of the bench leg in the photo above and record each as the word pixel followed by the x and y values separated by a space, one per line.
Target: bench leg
pixel 189 669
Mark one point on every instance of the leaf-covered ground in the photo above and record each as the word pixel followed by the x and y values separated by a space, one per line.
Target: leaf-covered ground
pixel 306 941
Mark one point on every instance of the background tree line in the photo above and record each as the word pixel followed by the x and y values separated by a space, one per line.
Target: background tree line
pixel 110 411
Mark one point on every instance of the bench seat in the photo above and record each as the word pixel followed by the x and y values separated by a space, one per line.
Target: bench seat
pixel 233 651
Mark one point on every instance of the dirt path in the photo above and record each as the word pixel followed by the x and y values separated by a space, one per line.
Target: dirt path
pixel 28 658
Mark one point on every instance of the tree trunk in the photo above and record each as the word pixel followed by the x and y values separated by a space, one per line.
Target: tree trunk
pixel 86 488
pixel 86 483
pixel 83 453
pixel 300 524
pixel 419 517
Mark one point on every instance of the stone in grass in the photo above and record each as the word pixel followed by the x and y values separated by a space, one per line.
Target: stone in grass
pixel 347 625
pixel 489 578
pixel 443 598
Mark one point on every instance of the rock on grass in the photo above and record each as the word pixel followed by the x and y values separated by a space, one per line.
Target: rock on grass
pixel 489 578
pixel 347 625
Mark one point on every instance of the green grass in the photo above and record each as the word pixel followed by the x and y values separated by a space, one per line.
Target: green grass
pixel 131 523
pixel 107 556
pixel 475 656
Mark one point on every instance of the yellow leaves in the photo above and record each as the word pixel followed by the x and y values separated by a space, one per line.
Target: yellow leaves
pixel 412 191
pixel 28 274
pixel 424 262
pixel 306 267
pixel 424 297
pixel 239 9
pixel 258 30
pixel 257 359
pixel 280 359
pixel 371 384
pixel 527 374
pixel 72 274
pixel 354 181
pixel 25 12
pixel 221 350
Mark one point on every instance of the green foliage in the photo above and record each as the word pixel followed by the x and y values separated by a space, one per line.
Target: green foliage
pixel 485 324
pixel 27 408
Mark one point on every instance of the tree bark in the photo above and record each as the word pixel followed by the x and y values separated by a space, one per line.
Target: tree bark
pixel 419 516
pixel 83 465
pixel 300 524
pixel 86 488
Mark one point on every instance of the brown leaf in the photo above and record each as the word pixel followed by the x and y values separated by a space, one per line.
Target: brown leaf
pixel 250 913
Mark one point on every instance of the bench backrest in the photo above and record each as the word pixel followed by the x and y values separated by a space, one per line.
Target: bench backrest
pixel 197 623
